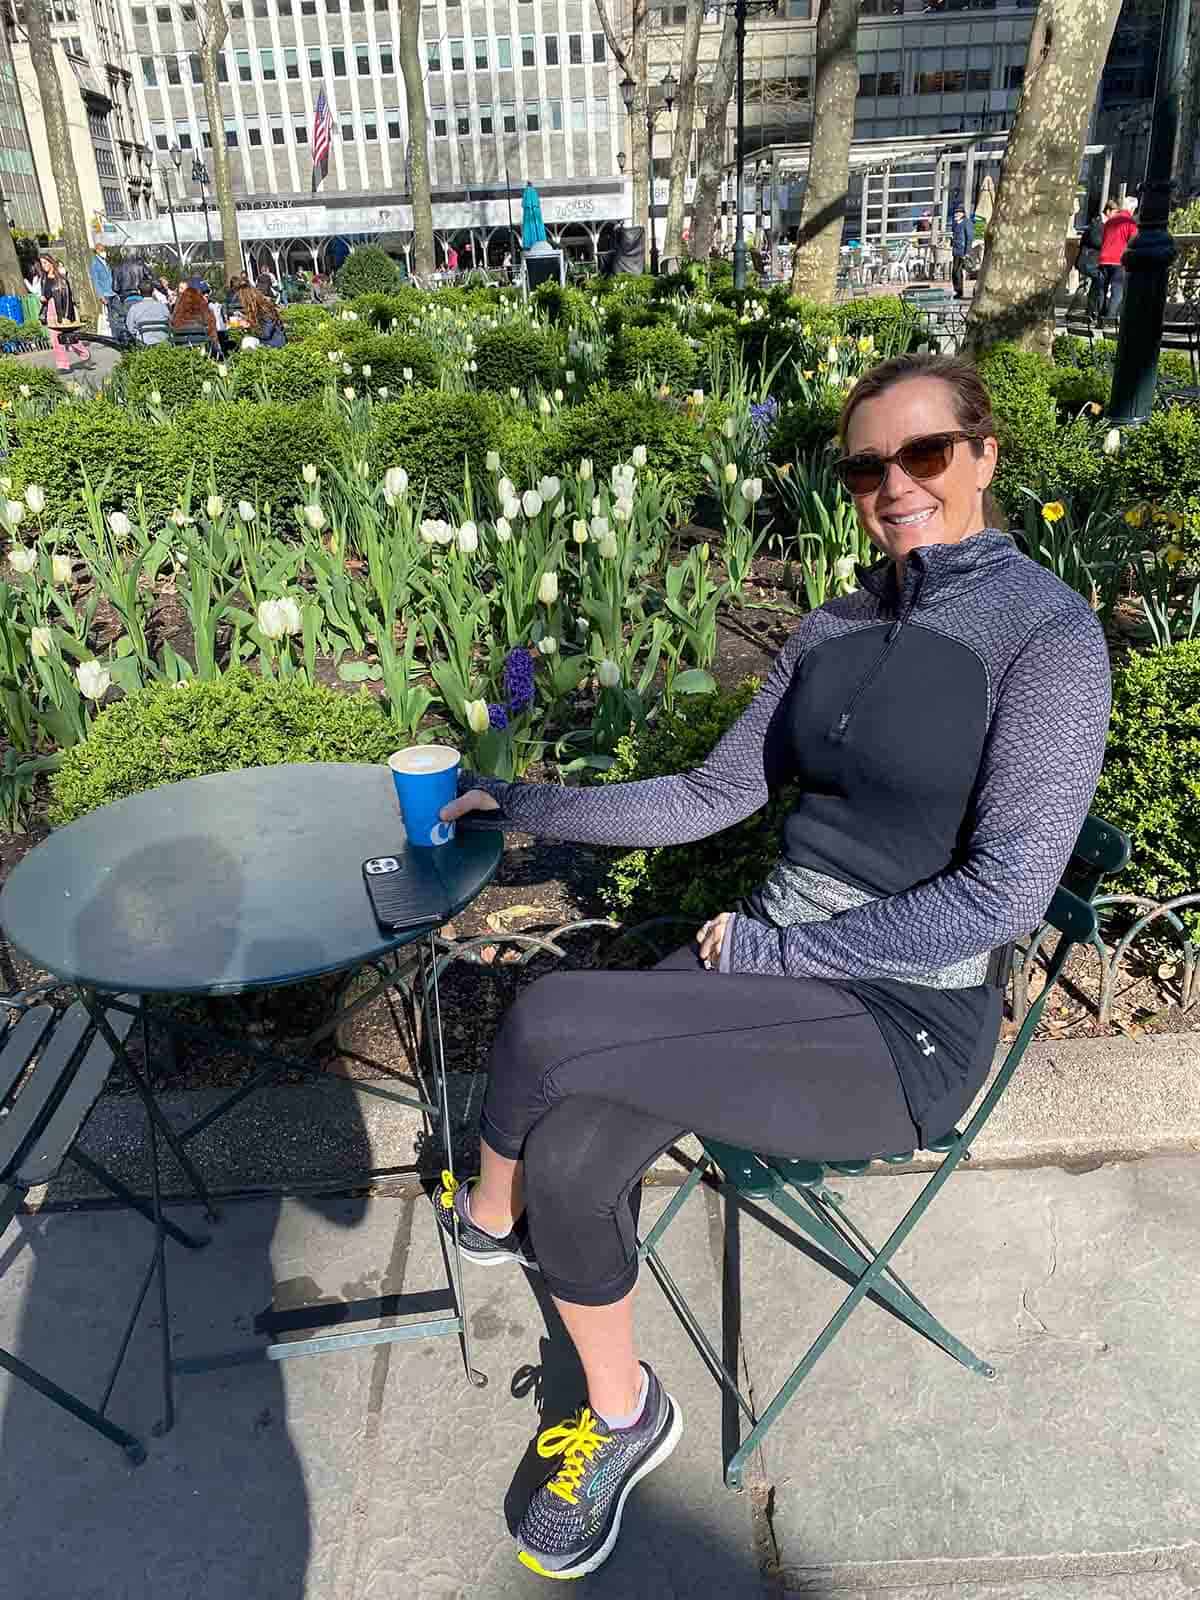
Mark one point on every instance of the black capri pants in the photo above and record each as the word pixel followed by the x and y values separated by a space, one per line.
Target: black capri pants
pixel 594 1074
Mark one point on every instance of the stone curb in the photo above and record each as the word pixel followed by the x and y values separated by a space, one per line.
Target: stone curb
pixel 1073 1103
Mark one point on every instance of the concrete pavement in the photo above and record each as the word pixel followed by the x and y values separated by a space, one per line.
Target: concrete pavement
pixel 1074 1475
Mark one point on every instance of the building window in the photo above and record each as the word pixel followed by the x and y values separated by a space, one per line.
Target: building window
pixel 205 136
pixel 528 57
pixel 291 64
pixel 242 60
pixel 332 7
pixel 140 18
pixel 578 116
pixel 308 8
pixel 394 126
pixel 339 61
pixel 300 132
pixel 277 135
pixel 504 52
pixel 533 116
pixel 348 132
pixel 231 137
pixel 284 7
pixel 362 60
pixel 183 135
pixel 158 133
pixel 237 10
pixel 575 49
pixel 381 5
pixel 316 66
pixel 1014 77
pixel 883 84
pixel 172 66
pixel 457 59
pixel 197 69
pixel 487 122
pixel 551 50
pixel 433 56
pixel 439 124
pixel 979 78
pixel 163 13
pixel 370 130
pixel 266 63
pixel 599 47
pixel 481 59
pixel 600 115
pixel 254 134
pixel 508 115
pixel 387 64
pixel 260 9
pixel 462 124
pixel 222 69
pixel 149 76
pixel 556 116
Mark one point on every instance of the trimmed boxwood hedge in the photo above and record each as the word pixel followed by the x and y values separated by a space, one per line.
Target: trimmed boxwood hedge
pixel 432 435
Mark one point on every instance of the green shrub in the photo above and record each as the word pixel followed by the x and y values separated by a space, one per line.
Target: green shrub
pixel 803 428
pixel 8 328
pixel 689 280
pixel 389 358
pixel 161 735
pixel 1026 420
pixel 560 304
pixel 430 435
pixel 662 353
pixel 521 444
pixel 297 372
pixel 516 355
pixel 17 375
pixel 694 880
pixel 1074 388
pixel 256 450
pixel 368 270
pixel 1150 785
pixel 895 326
pixel 381 310
pixel 607 427
pixel 1159 461
pixel 302 322
pixel 105 441
pixel 178 374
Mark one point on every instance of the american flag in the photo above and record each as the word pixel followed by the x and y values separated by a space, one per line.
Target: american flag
pixel 322 137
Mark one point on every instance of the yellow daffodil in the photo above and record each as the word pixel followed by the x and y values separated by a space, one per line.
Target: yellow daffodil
pixel 1054 511
pixel 1135 516
pixel 1173 555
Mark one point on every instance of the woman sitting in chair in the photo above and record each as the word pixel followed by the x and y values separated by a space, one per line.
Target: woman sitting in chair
pixel 192 320
pixel 944 726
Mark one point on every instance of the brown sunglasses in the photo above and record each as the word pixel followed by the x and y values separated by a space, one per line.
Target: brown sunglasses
pixel 921 458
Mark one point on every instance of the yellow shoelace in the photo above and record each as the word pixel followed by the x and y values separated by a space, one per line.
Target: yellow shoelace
pixel 577 1442
pixel 449 1189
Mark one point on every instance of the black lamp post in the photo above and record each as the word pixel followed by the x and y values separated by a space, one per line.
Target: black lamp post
pixel 741 10
pixel 200 176
pixel 1150 252
pixel 176 155
pixel 668 88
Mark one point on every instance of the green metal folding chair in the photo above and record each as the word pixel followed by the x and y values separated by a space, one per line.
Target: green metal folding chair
pixel 799 1190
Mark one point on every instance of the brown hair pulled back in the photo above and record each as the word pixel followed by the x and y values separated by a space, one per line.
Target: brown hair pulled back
pixel 969 399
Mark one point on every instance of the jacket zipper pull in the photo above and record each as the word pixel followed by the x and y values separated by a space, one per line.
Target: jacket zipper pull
pixel 893 631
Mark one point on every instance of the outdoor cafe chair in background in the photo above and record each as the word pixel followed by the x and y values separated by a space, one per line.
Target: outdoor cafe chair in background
pixel 799 1189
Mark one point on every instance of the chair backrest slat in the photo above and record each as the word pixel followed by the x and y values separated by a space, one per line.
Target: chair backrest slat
pixel 19 1044
pixel 35 1102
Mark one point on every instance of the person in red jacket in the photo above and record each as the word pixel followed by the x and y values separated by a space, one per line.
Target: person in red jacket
pixel 1119 229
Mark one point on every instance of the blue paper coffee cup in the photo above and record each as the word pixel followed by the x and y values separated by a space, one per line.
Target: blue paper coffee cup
pixel 426 779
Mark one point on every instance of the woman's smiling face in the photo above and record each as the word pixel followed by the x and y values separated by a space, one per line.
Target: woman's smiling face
pixel 905 513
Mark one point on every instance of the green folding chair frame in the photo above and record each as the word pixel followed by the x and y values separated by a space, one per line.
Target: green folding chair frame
pixel 799 1190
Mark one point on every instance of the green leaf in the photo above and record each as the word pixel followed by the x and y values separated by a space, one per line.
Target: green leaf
pixel 695 681
pixel 354 671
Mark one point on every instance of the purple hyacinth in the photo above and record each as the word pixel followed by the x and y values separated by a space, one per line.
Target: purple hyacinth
pixel 518 681
pixel 763 415
pixel 498 718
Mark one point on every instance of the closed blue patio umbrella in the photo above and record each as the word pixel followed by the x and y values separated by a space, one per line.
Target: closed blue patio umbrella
pixel 533 229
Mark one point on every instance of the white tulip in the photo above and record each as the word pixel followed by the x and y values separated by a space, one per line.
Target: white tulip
pixel 407 374
pixel 347 369
pixel 222 369
pixel 609 674
pixel 383 391
pixel 597 505
pixel 180 517
pixel 752 490
pixel 35 498
pixel 548 588
pixel 21 559
pixel 395 482
pixel 155 397
pixel 569 375
pixel 93 679
pixel 14 511
pixel 1112 443
pixel 514 393
pixel 278 617
pixel 548 489
pixel 729 427
pixel 622 509
pixel 477 716
pixel 831 354
pixel 26 392
pixel 206 387
pixel 585 470
pixel 315 517
pixel 503 530
pixel 493 461
pixel 558 396
pixel 506 489
pixel 41 642
pixel 843 569
pixel 215 506
pixel 512 509
pixel 698 397
pixel 333 357
pixel 435 532
pixel 730 472
pixel 639 455
pixel 608 546
pixel 547 646
pixel 531 502
pixel 62 569
pixel 246 511
pixel 544 407
pixel 579 531
pixel 309 473
pixel 348 392
pixel 468 538
pixel 366 372
pixel 119 523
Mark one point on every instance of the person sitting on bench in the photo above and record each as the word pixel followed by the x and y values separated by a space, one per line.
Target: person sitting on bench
pixel 147 320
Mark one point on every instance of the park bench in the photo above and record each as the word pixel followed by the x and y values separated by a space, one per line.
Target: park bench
pixel 53 1066
pixel 800 1189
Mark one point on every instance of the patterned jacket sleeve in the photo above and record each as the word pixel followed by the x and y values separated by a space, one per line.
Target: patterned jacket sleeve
pixel 732 784
pixel 1040 764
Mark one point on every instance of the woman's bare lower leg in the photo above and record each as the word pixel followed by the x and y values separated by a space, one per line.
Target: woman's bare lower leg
pixel 603 1336
pixel 498 1199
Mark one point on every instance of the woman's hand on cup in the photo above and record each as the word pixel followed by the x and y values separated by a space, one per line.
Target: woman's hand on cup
pixel 471 800
pixel 711 937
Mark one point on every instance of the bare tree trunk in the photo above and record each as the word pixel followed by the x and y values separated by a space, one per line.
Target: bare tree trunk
pixel 631 58
pixel 815 265
pixel 1023 253
pixel 76 245
pixel 214 26
pixel 1189 115
pixel 11 273
pixel 711 155
pixel 418 138
pixel 685 119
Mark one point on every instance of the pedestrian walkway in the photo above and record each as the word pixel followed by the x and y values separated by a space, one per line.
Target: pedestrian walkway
pixel 380 1474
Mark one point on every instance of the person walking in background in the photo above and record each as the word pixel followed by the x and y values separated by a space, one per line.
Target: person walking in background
pixel 1119 228
pixel 60 316
pixel 1089 295
pixel 127 278
pixel 102 282
pixel 962 237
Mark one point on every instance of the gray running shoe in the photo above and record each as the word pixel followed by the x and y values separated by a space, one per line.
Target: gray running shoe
pixel 573 1520
pixel 476 1245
